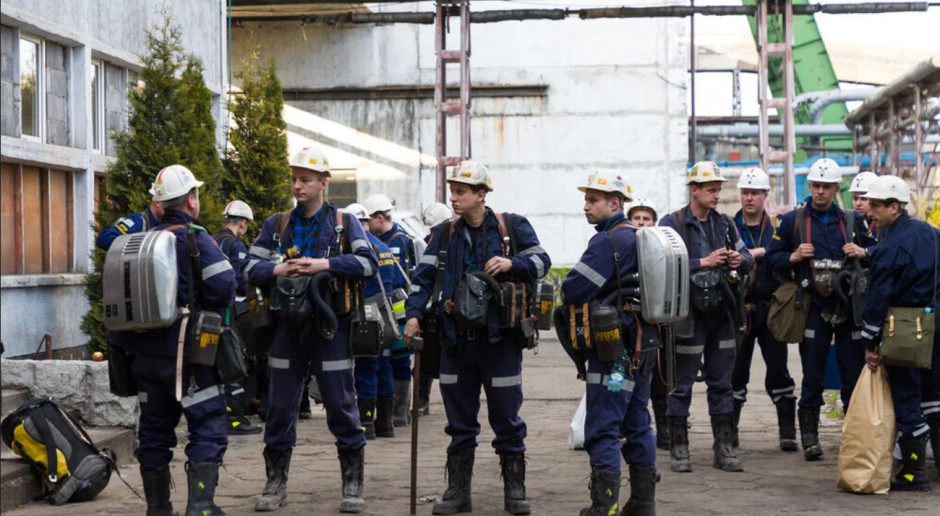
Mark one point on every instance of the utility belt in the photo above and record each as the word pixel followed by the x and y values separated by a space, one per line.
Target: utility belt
pixel 598 326
pixel 515 300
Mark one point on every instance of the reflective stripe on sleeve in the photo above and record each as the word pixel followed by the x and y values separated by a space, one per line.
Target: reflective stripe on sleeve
pixel 216 268
pixel 589 273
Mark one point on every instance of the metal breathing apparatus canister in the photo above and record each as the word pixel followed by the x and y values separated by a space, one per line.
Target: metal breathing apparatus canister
pixel 545 297
pixel 398 298
pixel 605 332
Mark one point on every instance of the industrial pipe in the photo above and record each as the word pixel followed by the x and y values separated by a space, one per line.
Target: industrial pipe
pixel 752 131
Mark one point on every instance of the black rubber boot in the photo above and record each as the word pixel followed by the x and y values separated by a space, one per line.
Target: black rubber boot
pixel 679 459
pixel 238 423
pixel 351 464
pixel 662 425
pixel 513 469
pixel 425 397
pixel 809 432
pixel 456 498
pixel 642 500
pixel 366 417
pixel 400 416
pixel 305 404
pixel 913 474
pixel 202 478
pixel 157 490
pixel 723 431
pixel 277 466
pixel 934 422
pixel 383 417
pixel 605 493
pixel 786 415
pixel 738 405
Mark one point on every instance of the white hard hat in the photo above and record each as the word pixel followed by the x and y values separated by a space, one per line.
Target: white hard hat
pixel 357 210
pixel 754 179
pixel 861 182
pixel 311 158
pixel 643 202
pixel 888 187
pixel 377 203
pixel 172 182
pixel 238 209
pixel 436 213
pixel 608 181
pixel 471 173
pixel 825 170
pixel 704 172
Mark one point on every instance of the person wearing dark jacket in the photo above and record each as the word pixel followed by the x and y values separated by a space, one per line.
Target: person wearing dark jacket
pixel 709 330
pixel 155 363
pixel 757 228
pixel 903 273
pixel 813 249
pixel 478 352
pixel 619 408
pixel 316 237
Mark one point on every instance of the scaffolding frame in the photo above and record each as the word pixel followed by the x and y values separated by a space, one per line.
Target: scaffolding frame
pixel 444 107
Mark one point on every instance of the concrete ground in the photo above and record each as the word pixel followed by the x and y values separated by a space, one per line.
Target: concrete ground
pixel 773 482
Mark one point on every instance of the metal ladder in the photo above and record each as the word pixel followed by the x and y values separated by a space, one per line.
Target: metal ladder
pixel 766 50
pixel 443 106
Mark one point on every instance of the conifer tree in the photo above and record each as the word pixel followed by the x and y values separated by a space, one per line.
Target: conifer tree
pixel 170 122
pixel 256 162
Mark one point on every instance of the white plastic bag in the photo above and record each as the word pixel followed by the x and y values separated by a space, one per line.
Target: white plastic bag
pixel 576 433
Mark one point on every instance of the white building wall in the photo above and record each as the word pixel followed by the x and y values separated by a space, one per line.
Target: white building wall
pixel 112 31
pixel 615 99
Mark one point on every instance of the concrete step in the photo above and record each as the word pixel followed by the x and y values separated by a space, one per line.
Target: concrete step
pixel 12 399
pixel 20 485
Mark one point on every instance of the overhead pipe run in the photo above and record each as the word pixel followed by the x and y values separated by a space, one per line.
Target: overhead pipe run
pixel 427 18
pixel 752 131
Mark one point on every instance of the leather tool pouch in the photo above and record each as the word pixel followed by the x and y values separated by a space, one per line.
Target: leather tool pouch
pixel 365 334
pixel 705 291
pixel 513 300
pixel 205 342
pixel 907 337
pixel 347 295
pixel 824 274
pixel 230 360
pixel 471 303
pixel 292 297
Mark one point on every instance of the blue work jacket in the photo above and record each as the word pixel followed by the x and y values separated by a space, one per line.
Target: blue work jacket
pixel 693 235
pixel 765 283
pixel 237 255
pixel 401 245
pixel 530 264
pixel 133 223
pixel 391 275
pixel 902 272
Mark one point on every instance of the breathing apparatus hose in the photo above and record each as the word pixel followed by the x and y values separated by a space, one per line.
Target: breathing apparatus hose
pixel 631 295
pixel 319 293
pixel 489 280
pixel 841 287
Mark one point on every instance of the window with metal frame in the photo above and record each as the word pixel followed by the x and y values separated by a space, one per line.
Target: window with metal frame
pixel 32 87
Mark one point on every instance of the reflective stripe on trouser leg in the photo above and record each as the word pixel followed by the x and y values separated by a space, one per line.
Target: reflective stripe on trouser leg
pixel 640 445
pixel 906 394
pixel 288 364
pixel 332 367
pixel 719 364
pixel 460 391
pixel 814 350
pixel 778 383
pixel 741 375
pixel 206 418
pixel 501 375
pixel 605 412
pixel 688 363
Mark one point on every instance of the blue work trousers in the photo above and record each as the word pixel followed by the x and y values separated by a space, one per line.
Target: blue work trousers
pixel 291 360
pixel 374 377
pixel 612 415
pixel 203 405
pixel 778 382
pixel 814 350
pixel 401 368
pixel 714 339
pixel 497 368
pixel 916 394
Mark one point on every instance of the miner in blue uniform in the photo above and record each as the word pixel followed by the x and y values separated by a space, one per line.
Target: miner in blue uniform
pixel 757 228
pixel 478 353
pixel 133 223
pixel 615 411
pixel 155 365
pixel 237 216
pixel 709 329
pixel 817 243
pixel 375 389
pixel 381 224
pixel 903 272
pixel 312 238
